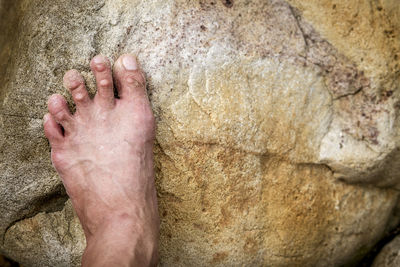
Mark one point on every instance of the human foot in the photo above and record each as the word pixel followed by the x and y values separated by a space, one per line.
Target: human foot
pixel 104 156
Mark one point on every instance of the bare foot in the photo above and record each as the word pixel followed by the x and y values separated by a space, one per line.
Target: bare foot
pixel 104 156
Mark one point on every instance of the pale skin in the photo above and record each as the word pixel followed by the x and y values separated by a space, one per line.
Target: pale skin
pixel 104 156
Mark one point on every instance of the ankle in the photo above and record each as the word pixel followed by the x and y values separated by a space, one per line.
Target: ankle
pixel 121 242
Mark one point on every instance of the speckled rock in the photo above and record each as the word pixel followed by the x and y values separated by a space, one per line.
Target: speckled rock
pixel 363 141
pixel 389 256
pixel 266 110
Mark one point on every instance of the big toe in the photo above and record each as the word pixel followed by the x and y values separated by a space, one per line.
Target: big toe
pixel 129 78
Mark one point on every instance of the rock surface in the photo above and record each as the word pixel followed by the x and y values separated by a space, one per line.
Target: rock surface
pixel 389 256
pixel 363 140
pixel 265 109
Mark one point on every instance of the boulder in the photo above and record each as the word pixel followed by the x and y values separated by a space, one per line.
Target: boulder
pixel 389 256
pixel 277 125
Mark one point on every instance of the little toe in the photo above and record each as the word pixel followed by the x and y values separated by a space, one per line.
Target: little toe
pixel 129 78
pixel 105 89
pixel 52 129
pixel 58 108
pixel 75 83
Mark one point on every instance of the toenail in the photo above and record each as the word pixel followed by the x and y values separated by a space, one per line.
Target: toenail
pixel 72 79
pixel 104 83
pixel 133 81
pixel 55 100
pixel 100 66
pixel 79 97
pixel 46 118
pixel 129 62
pixel 98 60
pixel 73 84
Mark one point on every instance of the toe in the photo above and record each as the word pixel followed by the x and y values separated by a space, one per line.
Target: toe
pixel 129 78
pixel 105 89
pixel 75 83
pixel 58 108
pixel 52 129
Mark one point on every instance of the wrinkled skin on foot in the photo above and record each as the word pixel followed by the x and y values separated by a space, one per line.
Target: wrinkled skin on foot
pixel 104 156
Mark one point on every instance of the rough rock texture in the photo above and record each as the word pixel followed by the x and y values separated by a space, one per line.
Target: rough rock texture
pixel 363 140
pixel 389 256
pixel 265 110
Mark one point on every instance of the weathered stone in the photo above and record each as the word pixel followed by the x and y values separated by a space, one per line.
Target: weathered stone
pixel 389 256
pixel 47 239
pixel 260 106
pixel 363 140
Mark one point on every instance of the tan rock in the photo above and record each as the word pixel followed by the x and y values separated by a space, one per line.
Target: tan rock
pixel 47 239
pixel 363 139
pixel 389 256
pixel 259 108
pixel 230 207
